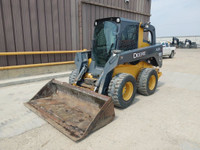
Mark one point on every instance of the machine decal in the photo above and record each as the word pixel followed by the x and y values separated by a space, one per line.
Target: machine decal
pixel 140 54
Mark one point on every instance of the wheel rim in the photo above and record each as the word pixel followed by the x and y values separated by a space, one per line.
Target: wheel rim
pixel 127 91
pixel 152 82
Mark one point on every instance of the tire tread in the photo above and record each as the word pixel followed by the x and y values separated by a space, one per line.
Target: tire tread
pixel 114 88
pixel 142 81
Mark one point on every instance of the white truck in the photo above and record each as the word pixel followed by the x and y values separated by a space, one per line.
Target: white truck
pixel 167 50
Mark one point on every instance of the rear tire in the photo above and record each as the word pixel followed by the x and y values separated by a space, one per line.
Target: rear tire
pixel 147 81
pixel 73 76
pixel 171 55
pixel 122 90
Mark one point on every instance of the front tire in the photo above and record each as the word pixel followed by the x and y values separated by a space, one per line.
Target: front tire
pixel 147 81
pixel 122 89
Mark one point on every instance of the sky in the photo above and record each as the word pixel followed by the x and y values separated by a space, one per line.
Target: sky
pixel 176 17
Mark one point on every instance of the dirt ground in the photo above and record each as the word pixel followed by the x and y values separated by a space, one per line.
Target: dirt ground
pixel 169 119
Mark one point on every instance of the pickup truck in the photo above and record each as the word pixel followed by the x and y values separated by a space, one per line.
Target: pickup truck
pixel 168 51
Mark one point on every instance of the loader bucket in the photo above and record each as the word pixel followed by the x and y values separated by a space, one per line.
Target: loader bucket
pixel 74 111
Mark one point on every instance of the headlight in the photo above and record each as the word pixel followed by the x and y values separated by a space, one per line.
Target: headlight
pixel 118 20
pixel 95 23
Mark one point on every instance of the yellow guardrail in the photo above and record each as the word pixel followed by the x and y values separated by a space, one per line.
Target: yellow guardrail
pixel 35 53
pixel 36 65
pixel 40 52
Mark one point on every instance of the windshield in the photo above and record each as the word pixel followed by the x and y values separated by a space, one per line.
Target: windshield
pixel 104 41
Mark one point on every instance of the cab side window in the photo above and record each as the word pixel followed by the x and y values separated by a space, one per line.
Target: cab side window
pixel 129 38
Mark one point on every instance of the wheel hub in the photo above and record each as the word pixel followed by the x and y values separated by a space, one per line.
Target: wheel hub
pixel 127 91
pixel 152 82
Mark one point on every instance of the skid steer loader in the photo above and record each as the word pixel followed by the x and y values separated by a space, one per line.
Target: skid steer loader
pixel 120 63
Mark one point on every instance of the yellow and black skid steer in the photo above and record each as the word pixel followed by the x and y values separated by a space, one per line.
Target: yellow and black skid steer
pixel 120 63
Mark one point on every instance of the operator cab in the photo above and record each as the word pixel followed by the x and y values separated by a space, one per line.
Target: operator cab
pixel 113 34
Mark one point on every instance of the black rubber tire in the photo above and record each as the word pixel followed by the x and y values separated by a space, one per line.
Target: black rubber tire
pixel 143 81
pixel 116 86
pixel 171 55
pixel 73 76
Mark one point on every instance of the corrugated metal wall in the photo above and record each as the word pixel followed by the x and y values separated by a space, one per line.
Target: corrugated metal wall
pixel 43 25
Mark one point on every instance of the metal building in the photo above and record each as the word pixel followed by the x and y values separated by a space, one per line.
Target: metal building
pixel 46 25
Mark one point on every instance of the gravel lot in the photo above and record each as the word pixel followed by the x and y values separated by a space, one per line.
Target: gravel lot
pixel 169 119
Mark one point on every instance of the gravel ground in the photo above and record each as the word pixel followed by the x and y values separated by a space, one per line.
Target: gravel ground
pixel 169 119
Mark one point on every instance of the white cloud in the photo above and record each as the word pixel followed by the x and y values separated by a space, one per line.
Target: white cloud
pixel 176 17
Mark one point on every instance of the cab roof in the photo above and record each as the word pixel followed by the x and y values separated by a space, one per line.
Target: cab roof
pixel 114 19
